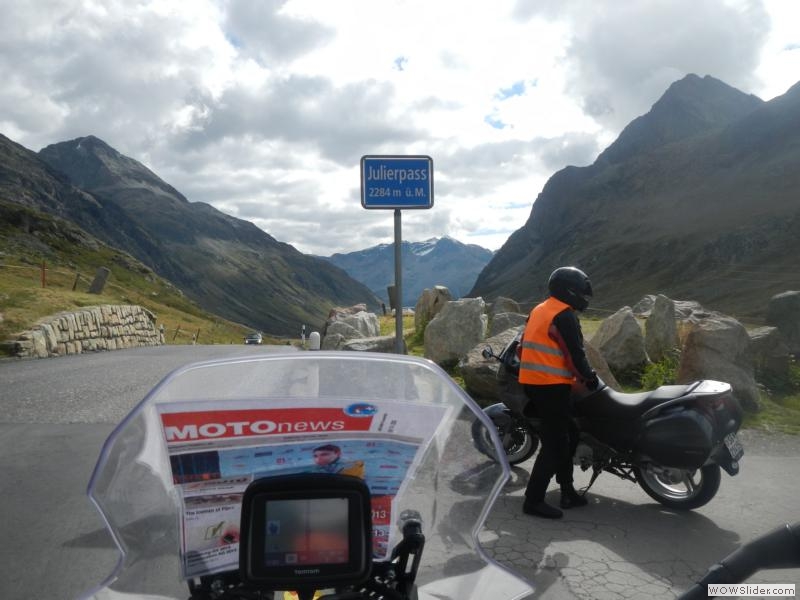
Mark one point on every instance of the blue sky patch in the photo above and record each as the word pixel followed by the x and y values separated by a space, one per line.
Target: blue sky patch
pixel 494 122
pixel 516 89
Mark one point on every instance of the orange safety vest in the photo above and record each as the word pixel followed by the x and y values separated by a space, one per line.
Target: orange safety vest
pixel 542 361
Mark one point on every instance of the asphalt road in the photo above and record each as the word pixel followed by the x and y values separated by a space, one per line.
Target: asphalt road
pixel 56 413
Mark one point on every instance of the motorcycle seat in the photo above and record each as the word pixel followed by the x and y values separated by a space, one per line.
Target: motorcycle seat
pixel 612 403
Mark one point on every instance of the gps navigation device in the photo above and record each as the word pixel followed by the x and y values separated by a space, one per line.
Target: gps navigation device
pixel 309 530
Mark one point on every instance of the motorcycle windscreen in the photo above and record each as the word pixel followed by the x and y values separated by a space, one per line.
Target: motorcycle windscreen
pixel 179 455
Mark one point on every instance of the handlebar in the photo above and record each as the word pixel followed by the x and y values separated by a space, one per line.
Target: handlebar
pixel 778 549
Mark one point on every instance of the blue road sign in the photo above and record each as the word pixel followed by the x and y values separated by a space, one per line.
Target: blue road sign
pixel 396 182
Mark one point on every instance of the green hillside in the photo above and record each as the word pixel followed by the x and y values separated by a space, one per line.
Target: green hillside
pixel 32 242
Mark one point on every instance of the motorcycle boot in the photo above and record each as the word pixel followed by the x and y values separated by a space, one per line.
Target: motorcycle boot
pixel 570 498
pixel 541 509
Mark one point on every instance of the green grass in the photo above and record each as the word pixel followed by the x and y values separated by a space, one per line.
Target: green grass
pixel 776 415
pixel 47 266
pixel 24 301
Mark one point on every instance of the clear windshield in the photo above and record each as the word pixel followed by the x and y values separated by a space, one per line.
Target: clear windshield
pixel 170 475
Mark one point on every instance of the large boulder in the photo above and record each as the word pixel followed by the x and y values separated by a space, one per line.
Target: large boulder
pixel 683 308
pixel 384 343
pixel 503 305
pixel 770 355
pixel 718 347
pixel 338 312
pixel 480 374
pixel 361 324
pixel 506 320
pixel 644 306
pixel 333 341
pixel 600 366
pixel 347 324
pixel 783 312
pixel 621 342
pixel 455 330
pixel 660 329
pixel 430 302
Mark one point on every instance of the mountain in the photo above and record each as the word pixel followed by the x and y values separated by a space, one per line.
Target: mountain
pixel 227 265
pixel 697 200
pixel 438 261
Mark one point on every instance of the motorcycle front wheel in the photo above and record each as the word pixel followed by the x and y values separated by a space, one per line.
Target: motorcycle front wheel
pixel 519 442
pixel 680 489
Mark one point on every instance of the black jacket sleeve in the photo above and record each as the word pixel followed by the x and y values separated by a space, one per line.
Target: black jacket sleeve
pixel 569 335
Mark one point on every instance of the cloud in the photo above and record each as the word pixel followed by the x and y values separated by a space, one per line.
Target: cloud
pixel 262 108
pixel 622 56
pixel 259 29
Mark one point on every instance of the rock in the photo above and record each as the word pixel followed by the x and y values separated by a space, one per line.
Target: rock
pixel 480 374
pixel 600 366
pixel 506 320
pixel 718 347
pixel 384 343
pixel 504 305
pixel 430 302
pixel 349 325
pixel 685 309
pixel 621 342
pixel 783 312
pixel 770 354
pixel 484 381
pixel 643 307
pixel 455 330
pixel 90 329
pixel 338 312
pixel 660 329
pixel 332 341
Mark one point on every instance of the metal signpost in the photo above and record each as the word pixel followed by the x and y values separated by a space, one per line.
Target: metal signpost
pixel 397 182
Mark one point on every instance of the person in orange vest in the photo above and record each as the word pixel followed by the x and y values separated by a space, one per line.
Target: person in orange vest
pixel 552 358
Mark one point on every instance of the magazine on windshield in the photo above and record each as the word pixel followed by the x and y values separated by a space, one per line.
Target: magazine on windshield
pixel 216 450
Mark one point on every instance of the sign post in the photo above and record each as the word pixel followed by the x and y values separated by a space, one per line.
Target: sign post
pixel 397 183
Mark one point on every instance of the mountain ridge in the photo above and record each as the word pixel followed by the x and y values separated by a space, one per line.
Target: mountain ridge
pixel 229 266
pixel 689 217
pixel 436 261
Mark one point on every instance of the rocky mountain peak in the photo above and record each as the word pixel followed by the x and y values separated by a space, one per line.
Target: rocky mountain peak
pixel 91 163
pixel 690 106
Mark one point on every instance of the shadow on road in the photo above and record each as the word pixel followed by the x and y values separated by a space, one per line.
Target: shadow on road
pixel 610 548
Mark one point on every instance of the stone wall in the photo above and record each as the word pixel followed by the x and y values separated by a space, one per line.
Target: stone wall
pixel 106 327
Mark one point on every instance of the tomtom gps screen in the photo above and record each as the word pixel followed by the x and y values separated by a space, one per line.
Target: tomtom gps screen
pixel 305 530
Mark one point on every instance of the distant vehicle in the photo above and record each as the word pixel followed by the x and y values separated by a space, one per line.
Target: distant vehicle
pixel 253 338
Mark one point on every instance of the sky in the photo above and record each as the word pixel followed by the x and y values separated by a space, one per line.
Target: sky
pixel 264 108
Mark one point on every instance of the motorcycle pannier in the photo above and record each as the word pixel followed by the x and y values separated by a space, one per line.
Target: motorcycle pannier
pixel 681 439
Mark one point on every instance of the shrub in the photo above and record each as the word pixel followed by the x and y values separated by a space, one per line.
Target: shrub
pixel 663 372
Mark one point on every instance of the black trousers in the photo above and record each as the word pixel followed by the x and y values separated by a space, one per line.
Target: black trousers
pixel 559 437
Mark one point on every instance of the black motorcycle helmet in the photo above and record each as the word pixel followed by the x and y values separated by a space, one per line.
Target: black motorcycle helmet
pixel 570 285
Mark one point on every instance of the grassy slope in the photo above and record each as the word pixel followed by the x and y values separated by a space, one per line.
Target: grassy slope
pixel 29 239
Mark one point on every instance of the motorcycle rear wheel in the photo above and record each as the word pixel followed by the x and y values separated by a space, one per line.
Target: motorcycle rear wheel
pixel 680 489
pixel 519 442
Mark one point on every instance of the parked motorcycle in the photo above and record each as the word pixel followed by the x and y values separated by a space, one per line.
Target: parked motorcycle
pixel 671 441
pixel 341 475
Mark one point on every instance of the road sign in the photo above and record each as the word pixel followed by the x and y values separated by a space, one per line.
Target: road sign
pixel 399 182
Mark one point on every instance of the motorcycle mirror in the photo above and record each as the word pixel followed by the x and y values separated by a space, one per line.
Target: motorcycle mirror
pixel 778 549
pixel 488 352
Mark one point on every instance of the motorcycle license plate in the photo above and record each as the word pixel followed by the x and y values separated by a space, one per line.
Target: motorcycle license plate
pixel 734 446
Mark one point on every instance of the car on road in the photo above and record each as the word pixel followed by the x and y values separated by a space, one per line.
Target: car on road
pixel 253 338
